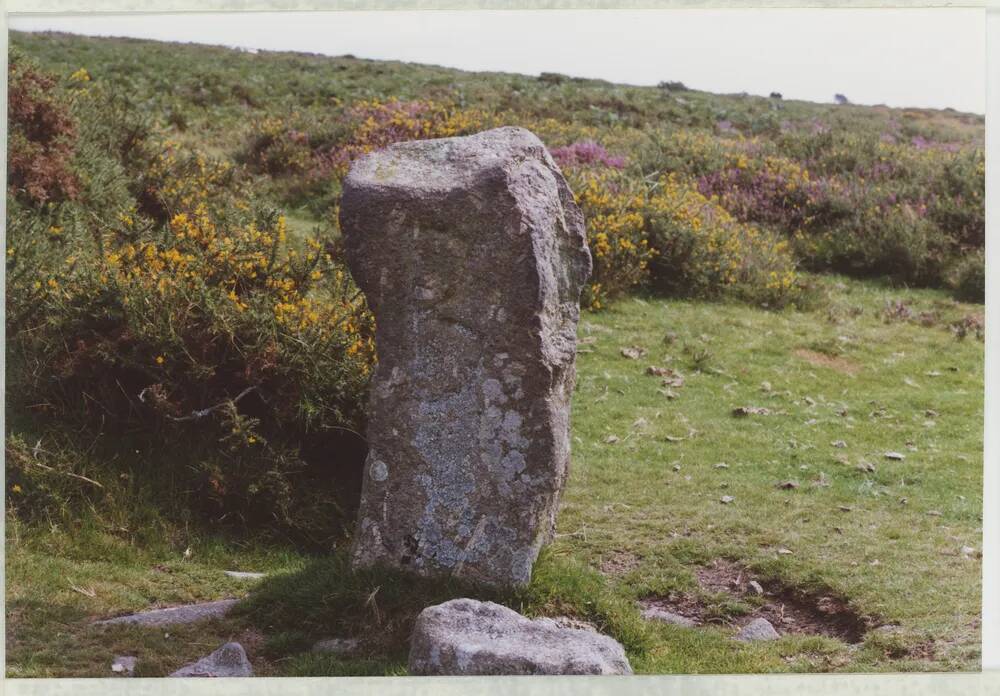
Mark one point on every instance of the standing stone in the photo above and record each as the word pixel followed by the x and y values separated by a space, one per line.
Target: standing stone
pixel 472 255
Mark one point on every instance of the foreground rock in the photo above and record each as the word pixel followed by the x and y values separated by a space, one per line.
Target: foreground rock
pixel 123 665
pixel 472 255
pixel 467 637
pixel 228 661
pixel 175 615
pixel 244 575
pixel 758 629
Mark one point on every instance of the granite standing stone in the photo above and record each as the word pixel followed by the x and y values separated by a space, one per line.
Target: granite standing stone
pixel 472 255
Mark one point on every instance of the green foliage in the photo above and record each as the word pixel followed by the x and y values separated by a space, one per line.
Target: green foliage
pixel 167 303
pixel 970 278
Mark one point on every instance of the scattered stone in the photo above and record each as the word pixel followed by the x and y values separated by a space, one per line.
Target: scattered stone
pixel 788 485
pixel 188 613
pixel 468 637
pixel 243 575
pixel 633 352
pixel 658 614
pixel 123 665
pixel 758 629
pixel 756 587
pixel 721 465
pixel 751 411
pixel 765 386
pixel 674 379
pixel 472 255
pixel 228 661
pixel 970 552
pixel 337 646
pixel 785 552
pixel 839 443
pixel 898 456
pixel 726 499
pixel 658 371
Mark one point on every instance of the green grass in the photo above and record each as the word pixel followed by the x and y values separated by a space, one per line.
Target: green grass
pixel 626 509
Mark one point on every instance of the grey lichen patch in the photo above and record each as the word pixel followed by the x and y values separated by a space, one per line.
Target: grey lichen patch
pixel 472 256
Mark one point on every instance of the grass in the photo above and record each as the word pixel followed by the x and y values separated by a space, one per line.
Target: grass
pixel 640 515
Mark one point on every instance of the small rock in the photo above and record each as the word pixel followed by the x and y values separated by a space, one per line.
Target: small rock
pixel 742 411
pixel 839 443
pixel 228 661
pixel 175 615
pixel 469 637
pixel 756 586
pixel 721 465
pixel 726 499
pixel 758 629
pixel 658 614
pixel 337 646
pixel 784 552
pixel 242 575
pixel 633 352
pixel 898 456
pixel 788 485
pixel 123 665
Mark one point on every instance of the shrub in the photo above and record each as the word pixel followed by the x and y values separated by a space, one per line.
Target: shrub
pixel 42 134
pixel 703 251
pixel 969 279
pixel 215 329
pixel 373 125
pixel 612 207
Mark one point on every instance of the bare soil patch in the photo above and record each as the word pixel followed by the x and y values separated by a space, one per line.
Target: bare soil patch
pixel 839 364
pixel 619 563
pixel 790 610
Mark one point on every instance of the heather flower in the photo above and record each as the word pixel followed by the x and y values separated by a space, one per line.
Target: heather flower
pixel 586 153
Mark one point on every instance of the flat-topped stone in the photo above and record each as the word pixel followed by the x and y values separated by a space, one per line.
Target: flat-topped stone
pixel 188 613
pixel 468 637
pixel 472 255
pixel 245 575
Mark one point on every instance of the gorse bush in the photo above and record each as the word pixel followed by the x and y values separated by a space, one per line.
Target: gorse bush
pixel 670 237
pixel 41 135
pixel 616 233
pixel 702 251
pixel 201 322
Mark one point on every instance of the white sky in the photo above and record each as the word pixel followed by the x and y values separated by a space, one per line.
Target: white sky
pixel 928 58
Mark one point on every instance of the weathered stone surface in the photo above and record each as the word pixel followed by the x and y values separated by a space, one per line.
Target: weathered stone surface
pixel 123 665
pixel 658 614
pixel 228 661
pixel 472 255
pixel 468 637
pixel 758 629
pixel 175 615
pixel 244 575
